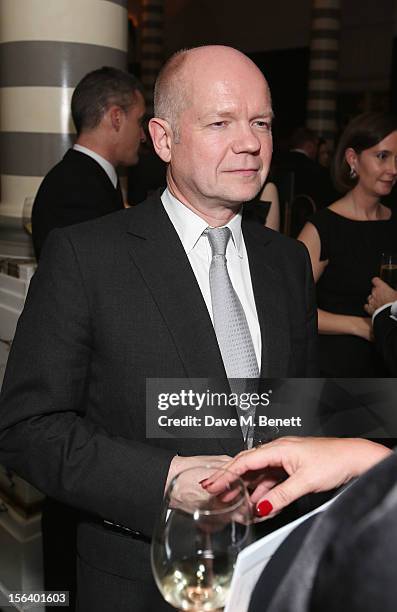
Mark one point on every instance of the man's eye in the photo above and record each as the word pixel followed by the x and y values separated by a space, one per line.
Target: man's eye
pixel 263 125
pixel 218 124
pixel 382 155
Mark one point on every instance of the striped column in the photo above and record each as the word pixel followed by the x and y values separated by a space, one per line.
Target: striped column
pixel 323 69
pixel 152 46
pixel 45 49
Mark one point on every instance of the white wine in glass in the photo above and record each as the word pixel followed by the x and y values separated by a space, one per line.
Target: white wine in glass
pixel 197 539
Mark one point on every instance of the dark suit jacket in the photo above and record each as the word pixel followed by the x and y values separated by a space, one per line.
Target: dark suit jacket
pixel 115 302
pixel 385 331
pixel 77 189
pixel 309 178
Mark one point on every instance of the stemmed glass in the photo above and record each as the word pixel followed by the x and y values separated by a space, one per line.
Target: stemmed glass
pixel 27 214
pixel 197 539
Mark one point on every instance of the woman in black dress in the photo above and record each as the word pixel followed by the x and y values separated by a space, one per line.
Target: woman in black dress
pixel 345 243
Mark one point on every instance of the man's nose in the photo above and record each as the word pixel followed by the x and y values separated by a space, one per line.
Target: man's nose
pixel 246 141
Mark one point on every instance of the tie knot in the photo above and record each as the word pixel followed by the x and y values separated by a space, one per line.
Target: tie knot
pixel 218 238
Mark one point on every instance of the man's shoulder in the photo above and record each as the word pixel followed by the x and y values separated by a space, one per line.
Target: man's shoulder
pixel 121 221
pixel 96 240
pixel 291 247
pixel 100 228
pixel 276 249
pixel 72 165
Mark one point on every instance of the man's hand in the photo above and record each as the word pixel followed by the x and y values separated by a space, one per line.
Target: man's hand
pixel 309 465
pixel 381 294
pixel 179 464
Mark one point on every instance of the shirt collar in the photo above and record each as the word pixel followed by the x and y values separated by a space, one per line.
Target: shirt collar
pixel 189 226
pixel 297 150
pixel 104 163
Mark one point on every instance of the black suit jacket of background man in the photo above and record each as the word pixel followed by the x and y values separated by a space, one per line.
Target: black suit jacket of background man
pixel 310 178
pixel 115 302
pixel 77 189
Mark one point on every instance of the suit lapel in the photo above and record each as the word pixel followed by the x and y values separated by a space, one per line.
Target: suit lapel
pixel 270 299
pixel 159 255
pixel 157 252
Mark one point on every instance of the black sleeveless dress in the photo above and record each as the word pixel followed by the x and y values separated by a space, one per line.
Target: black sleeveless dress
pixel 354 250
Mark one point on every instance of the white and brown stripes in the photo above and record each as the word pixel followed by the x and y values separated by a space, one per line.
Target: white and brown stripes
pixel 323 68
pixel 152 46
pixel 45 49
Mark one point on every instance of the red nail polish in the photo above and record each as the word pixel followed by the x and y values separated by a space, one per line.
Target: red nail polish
pixel 264 508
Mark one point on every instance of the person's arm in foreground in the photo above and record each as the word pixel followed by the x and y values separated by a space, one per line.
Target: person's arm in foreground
pixel 288 468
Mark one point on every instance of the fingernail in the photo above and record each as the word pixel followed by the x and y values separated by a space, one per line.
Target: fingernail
pixel 264 508
pixel 204 482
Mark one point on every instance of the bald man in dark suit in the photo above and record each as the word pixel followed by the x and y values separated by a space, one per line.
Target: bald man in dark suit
pixel 126 298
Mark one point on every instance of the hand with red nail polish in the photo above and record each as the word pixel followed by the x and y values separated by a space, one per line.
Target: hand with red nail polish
pixel 263 508
pixel 278 473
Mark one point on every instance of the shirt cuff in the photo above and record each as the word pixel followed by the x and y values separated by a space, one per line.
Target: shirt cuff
pixel 393 311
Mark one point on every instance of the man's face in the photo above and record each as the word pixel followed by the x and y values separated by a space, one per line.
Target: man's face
pixel 225 143
pixel 131 132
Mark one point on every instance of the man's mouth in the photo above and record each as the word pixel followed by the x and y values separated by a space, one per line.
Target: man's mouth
pixel 244 171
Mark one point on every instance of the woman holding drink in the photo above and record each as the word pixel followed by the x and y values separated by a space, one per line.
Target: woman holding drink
pixel 346 242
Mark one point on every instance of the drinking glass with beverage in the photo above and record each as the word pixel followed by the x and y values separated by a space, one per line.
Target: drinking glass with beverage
pixel 388 269
pixel 197 539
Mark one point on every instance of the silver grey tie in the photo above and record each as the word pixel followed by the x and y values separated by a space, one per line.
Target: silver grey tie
pixel 230 323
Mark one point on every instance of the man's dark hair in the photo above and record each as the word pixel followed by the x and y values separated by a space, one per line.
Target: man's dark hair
pixel 99 90
pixel 301 135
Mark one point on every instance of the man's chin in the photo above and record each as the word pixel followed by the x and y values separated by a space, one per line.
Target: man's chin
pixel 239 196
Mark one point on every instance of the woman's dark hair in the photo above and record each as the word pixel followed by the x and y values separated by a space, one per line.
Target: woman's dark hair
pixel 363 132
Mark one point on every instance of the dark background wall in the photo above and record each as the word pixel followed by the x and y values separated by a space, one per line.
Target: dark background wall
pixel 276 34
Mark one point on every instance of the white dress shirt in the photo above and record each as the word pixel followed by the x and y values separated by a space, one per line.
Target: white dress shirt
pixel 393 310
pixel 190 228
pixel 107 166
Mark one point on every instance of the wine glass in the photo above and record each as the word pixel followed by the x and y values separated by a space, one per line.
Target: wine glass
pixel 197 539
pixel 388 269
pixel 27 214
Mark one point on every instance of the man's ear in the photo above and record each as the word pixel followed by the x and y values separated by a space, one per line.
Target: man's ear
pixel 114 116
pixel 161 133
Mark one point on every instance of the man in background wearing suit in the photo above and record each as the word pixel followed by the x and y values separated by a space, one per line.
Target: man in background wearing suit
pixel 382 305
pixel 107 110
pixel 310 178
pixel 128 297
